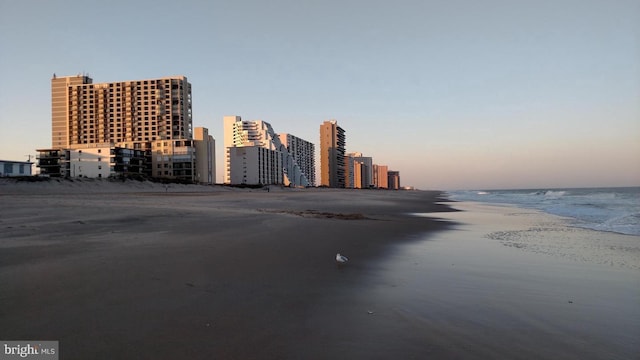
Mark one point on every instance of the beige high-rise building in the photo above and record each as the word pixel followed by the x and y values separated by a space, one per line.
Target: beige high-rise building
pixel 381 176
pixel 332 162
pixel 138 111
pixel 60 107
pixel 152 115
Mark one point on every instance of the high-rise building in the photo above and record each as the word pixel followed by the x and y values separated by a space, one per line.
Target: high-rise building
pixel 362 171
pixel 381 176
pixel 303 153
pixel 354 171
pixel 205 156
pixel 332 162
pixel 393 179
pixel 153 116
pixel 61 107
pixel 258 133
pixel 138 111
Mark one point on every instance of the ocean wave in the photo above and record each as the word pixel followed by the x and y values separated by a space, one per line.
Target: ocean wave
pixel 604 209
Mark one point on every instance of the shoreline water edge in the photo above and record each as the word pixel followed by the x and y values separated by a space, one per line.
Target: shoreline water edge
pixel 141 270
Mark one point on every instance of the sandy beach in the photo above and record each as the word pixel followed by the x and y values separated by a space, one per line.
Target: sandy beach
pixel 134 271
pixel 144 271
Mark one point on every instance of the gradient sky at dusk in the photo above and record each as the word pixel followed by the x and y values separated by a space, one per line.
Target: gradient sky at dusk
pixel 453 94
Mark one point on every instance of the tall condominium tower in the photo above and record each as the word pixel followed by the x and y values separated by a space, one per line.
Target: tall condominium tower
pixel 61 106
pixel 332 164
pixel 138 111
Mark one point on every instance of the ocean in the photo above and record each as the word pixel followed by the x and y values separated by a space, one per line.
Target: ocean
pixel 603 209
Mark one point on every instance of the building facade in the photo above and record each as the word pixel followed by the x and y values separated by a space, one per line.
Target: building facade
pixel 15 168
pixel 255 165
pixel 393 179
pixel 92 161
pixel 381 176
pixel 303 152
pixel 140 111
pixel 332 162
pixel 205 156
pixel 359 171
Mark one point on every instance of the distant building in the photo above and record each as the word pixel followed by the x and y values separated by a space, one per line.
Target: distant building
pixel 332 161
pixel 359 171
pixel 381 176
pixel 205 156
pixel 393 180
pixel 15 168
pixel 258 133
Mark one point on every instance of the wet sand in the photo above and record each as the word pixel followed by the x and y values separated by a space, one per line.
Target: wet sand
pixel 135 272
pixel 236 274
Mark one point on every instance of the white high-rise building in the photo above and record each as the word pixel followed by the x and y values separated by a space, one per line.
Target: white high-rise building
pixel 258 133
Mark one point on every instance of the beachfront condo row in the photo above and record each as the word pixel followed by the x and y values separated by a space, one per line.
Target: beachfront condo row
pixel 138 127
pixel 144 128
pixel 351 170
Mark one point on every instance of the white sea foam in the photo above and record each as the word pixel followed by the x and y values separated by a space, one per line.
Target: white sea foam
pixel 604 209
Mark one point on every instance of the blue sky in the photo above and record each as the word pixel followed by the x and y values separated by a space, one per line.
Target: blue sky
pixel 453 94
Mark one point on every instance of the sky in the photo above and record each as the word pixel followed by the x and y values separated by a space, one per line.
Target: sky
pixel 454 94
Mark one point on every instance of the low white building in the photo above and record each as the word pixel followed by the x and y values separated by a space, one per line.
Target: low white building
pixel 90 162
pixel 15 168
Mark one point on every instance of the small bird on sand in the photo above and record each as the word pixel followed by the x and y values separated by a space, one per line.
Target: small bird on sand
pixel 341 259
